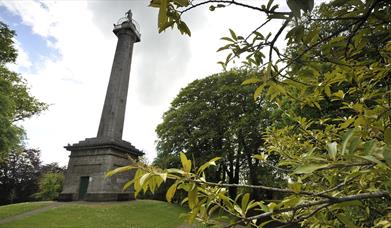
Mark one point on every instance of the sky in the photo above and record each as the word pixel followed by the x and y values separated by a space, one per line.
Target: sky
pixel 66 49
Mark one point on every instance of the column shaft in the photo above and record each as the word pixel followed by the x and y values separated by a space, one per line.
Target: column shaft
pixel 113 114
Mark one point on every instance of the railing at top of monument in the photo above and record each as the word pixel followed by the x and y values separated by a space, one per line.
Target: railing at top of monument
pixel 131 23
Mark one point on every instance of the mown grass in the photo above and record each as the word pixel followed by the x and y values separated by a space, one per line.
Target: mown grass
pixel 140 213
pixel 19 208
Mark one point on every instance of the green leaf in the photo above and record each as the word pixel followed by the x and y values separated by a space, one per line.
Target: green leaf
pixel 224 47
pixel 347 136
pixel 340 94
pixel 233 35
pixel 346 220
pixel 261 157
pixel 182 3
pixel 213 209
pixel 207 164
pixel 119 170
pixel 183 28
pixel 245 200
pixel 251 81
pixel 347 123
pixel 374 160
pixel 155 3
pixel 290 201
pixel 171 191
pixel 272 206
pixel 228 58
pixel 269 4
pixel 296 187
pixel 305 169
pixel 258 91
pixel 227 201
pixel 238 209
pixel 144 178
pixel 127 185
pixel 369 146
pixel 387 136
pixel 387 155
pixel 263 206
pixel 192 197
pixel 162 18
pixel 227 39
pixel 309 5
pixel 166 25
pixel 163 176
pixel 186 164
pixel 178 171
pixel 327 91
pixel 294 7
pixel 268 72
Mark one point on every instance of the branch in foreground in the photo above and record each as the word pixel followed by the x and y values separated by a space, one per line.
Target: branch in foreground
pixel 283 190
pixel 233 2
pixel 329 202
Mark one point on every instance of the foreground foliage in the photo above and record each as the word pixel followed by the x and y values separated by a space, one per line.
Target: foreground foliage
pixel 333 82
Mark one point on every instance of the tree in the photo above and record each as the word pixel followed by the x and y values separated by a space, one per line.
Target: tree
pixel 217 117
pixel 16 103
pixel 24 178
pixel 50 186
pixel 19 175
pixel 337 165
pixel 53 167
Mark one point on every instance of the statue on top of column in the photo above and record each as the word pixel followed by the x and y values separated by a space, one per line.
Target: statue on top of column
pixel 129 15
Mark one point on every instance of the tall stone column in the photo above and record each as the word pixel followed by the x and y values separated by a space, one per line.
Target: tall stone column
pixel 113 114
pixel 91 158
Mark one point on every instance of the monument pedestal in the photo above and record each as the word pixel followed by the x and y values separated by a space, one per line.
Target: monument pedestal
pixel 88 163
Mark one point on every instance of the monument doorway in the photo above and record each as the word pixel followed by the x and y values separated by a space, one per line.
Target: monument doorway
pixel 83 186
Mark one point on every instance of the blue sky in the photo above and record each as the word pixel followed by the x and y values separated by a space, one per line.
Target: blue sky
pixel 33 44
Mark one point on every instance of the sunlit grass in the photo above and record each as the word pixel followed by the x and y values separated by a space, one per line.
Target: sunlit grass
pixel 19 208
pixel 140 213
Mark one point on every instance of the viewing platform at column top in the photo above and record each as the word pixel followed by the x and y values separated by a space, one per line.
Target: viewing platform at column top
pixel 128 23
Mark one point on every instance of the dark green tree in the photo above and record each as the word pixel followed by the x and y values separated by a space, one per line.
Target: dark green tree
pixel 217 117
pixel 19 175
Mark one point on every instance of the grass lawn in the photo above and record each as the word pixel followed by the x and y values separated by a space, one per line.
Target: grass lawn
pixel 140 213
pixel 19 208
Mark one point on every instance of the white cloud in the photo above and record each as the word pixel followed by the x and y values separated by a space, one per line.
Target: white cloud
pixel 23 62
pixel 39 18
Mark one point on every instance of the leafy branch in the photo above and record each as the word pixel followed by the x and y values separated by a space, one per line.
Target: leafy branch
pixel 233 2
pixel 362 196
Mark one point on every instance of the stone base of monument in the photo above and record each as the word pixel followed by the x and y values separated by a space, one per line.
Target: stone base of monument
pixel 89 162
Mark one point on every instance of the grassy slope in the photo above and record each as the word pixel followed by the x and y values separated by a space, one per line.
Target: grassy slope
pixel 140 213
pixel 19 208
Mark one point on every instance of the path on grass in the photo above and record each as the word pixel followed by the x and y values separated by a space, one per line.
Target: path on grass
pixel 30 213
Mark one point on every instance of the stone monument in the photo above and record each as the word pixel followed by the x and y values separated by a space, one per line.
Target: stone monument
pixel 91 158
